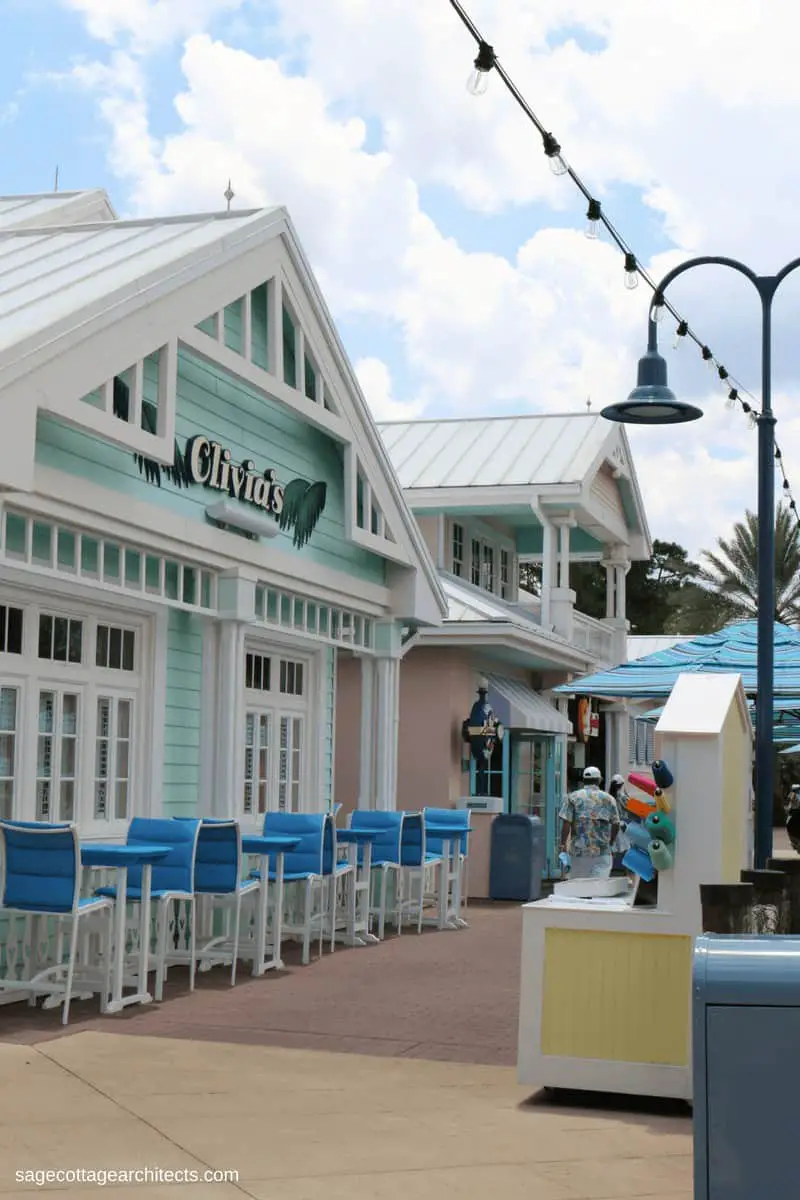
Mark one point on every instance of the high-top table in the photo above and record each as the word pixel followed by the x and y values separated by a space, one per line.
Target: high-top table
pixel 119 858
pixel 358 932
pixel 261 846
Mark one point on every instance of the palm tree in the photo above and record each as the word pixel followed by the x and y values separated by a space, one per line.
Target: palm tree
pixel 728 576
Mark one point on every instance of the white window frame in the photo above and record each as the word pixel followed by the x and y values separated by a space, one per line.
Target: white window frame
pixel 458 541
pixel 481 535
pixel 32 675
pixel 309 707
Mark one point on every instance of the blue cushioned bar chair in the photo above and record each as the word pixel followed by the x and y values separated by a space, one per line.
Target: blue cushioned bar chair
pixel 219 887
pixel 173 883
pixel 386 853
pixel 41 879
pixel 416 861
pixel 458 820
pixel 311 873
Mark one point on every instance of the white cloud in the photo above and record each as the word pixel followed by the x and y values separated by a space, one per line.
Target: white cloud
pixel 662 109
pixel 376 384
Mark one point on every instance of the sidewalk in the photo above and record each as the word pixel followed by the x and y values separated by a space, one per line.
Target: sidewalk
pixel 310 1125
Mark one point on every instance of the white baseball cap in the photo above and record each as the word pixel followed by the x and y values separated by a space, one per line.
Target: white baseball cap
pixel 592 774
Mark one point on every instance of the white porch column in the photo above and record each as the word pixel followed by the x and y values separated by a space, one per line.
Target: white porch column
pixel 610 589
pixel 366 773
pixel 621 570
pixel 386 726
pixel 563 555
pixel 548 570
pixel 225 799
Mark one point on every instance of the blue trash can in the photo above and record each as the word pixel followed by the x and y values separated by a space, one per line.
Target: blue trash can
pixel 746 1063
pixel 517 858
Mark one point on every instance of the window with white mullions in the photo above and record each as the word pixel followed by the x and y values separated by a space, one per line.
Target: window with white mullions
pixel 10 629
pixel 458 549
pixel 113 747
pixel 9 717
pixel 57 755
pixel 257 781
pixel 290 763
pixel 60 639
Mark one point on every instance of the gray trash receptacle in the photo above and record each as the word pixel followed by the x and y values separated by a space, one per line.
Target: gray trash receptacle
pixel 746 1062
pixel 517 857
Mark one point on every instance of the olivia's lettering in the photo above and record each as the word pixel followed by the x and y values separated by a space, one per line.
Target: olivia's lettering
pixel 212 465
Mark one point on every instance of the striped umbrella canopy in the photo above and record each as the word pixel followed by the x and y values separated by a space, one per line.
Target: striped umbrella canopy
pixel 732 650
pixel 791 749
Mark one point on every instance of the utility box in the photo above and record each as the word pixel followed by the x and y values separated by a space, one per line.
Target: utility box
pixel 517 859
pixel 746 1063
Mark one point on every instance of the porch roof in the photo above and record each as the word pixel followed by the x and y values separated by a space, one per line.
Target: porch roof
pixel 519 707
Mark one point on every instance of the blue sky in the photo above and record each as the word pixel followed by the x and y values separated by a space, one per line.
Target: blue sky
pixel 485 296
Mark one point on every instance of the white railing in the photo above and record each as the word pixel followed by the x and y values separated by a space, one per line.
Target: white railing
pixel 594 636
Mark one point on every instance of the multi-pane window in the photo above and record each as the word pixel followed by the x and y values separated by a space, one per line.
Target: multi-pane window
pixel 487 568
pixel 290 763
pixel 257 672
pixel 112 764
pixel 475 573
pixel 504 575
pixel 116 648
pixel 10 630
pixel 291 678
pixel 258 728
pixel 57 756
pixel 458 550
pixel 9 708
pixel 60 639
pixel 641 741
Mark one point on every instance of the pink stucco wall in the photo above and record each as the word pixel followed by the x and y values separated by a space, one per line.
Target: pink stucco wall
pixel 437 689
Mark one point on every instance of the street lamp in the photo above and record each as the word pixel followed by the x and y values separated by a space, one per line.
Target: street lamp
pixel 652 403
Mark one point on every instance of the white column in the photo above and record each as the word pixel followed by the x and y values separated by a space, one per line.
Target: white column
pixel 610 591
pixel 548 570
pixel 226 800
pixel 621 570
pixel 366 774
pixel 563 555
pixel 387 729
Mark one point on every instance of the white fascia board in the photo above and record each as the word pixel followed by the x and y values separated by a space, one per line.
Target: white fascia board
pixel 483 633
pixel 480 498
pixel 62 497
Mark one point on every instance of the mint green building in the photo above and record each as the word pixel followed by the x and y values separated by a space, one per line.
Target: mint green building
pixel 198 521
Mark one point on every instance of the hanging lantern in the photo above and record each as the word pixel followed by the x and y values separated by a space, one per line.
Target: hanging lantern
pixel 482 731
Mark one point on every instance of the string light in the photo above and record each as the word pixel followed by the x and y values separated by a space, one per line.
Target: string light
pixel 485 62
pixel 593 215
pixel 680 334
pixel 478 80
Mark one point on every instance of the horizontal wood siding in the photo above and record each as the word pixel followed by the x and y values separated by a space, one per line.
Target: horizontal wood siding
pixel 213 403
pixel 182 718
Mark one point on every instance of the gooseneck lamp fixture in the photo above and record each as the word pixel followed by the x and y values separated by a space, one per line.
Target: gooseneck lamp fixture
pixel 652 403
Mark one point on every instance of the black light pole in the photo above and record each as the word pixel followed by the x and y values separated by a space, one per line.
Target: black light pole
pixel 652 403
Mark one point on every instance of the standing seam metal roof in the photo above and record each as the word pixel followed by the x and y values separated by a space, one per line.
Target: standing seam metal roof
pixel 496 452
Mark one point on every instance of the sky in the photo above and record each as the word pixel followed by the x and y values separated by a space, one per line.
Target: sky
pixel 454 262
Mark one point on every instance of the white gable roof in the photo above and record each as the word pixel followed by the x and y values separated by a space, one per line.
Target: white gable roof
pixel 116 290
pixel 496 452
pixel 55 208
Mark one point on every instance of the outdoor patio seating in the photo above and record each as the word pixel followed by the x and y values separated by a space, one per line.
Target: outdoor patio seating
pixel 41 868
pixel 457 819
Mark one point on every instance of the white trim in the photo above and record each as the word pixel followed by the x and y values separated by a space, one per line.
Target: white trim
pixel 152 803
pixel 207 798
pixel 501 633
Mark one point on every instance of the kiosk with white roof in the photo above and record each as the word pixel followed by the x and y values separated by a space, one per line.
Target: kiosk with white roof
pixel 606 980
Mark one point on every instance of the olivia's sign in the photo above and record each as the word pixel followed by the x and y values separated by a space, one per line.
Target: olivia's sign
pixel 210 464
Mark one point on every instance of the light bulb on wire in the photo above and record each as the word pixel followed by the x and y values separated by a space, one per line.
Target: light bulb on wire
pixel 631 271
pixel 593 214
pixel 733 396
pixel 657 309
pixel 558 164
pixel 680 333
pixel 478 80
pixel 708 358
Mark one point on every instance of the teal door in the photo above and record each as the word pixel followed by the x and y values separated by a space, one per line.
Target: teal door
pixel 534 768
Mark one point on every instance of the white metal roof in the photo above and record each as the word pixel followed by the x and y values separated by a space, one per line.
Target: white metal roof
pixel 640 645
pixel 469 603
pixel 519 707
pixel 55 208
pixel 496 451
pixel 48 276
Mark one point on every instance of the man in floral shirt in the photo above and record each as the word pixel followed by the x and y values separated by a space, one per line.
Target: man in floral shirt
pixel 590 820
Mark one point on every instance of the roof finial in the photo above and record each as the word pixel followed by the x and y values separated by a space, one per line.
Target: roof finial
pixel 55 185
pixel 229 194
pixel 588 403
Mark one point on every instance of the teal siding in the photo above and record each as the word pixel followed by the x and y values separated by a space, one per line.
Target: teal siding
pixel 328 727
pixel 211 402
pixel 182 718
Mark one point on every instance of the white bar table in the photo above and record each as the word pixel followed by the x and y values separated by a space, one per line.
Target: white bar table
pixel 449 910
pixel 119 858
pixel 261 846
pixel 359 933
